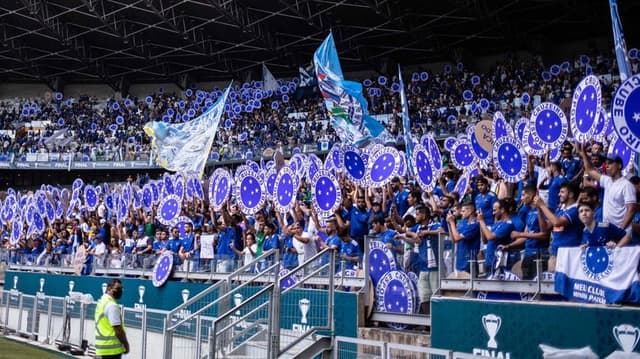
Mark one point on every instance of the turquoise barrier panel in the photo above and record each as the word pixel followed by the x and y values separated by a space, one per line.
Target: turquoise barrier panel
pixel 141 292
pixel 513 330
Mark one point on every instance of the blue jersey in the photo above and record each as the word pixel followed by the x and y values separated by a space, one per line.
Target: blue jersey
pixel 226 237
pixel 351 249
pixel 290 260
pixel 518 224
pixel 502 230
pixel 554 191
pixel 532 246
pixel 571 167
pixel 188 243
pixel 469 246
pixel 635 238
pixel 159 245
pixel 603 232
pixel 428 249
pixel 400 200
pixel 484 202
pixel 598 211
pixel 174 244
pixel 359 222
pixel 388 236
pixel 271 242
pixel 569 235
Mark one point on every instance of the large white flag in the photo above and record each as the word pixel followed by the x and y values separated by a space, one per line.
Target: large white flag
pixel 184 147
pixel 268 81
pixel 598 274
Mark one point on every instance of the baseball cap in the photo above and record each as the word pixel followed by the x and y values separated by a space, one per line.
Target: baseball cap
pixel 613 158
pixel 103 221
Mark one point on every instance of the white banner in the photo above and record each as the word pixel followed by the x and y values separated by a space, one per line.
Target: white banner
pixel 206 246
pixel 598 274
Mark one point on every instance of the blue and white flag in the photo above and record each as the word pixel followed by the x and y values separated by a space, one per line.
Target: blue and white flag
pixel 618 38
pixel 307 77
pixel 406 126
pixel 345 103
pixel 598 274
pixel 268 81
pixel 184 147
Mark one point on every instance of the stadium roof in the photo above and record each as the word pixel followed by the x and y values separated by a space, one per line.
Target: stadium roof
pixel 119 41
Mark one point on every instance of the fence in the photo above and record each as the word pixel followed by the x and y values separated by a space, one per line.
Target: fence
pixel 347 348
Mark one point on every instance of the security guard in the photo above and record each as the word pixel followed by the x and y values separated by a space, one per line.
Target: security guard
pixel 111 340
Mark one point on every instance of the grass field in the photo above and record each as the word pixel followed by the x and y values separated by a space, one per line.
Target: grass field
pixel 10 349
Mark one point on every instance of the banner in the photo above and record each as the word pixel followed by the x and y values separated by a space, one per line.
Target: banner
pixel 620 46
pixel 206 246
pixel 496 328
pixel 598 274
pixel 406 126
pixel 345 103
pixel 307 77
pixel 184 147
pixel 268 81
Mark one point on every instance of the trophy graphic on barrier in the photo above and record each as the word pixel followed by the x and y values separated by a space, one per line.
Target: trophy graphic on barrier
pixel 185 295
pixel 104 288
pixel 304 305
pixel 141 290
pixel 140 306
pixel 71 300
pixel 14 291
pixel 627 337
pixel 40 294
pixel 491 324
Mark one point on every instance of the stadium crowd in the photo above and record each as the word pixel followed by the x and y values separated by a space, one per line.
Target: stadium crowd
pixel 557 204
pixel 436 104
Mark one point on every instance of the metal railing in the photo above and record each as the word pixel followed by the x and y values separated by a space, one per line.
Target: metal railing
pixel 311 307
pixel 472 284
pixel 209 303
pixel 347 348
pixel 69 322
pixel 252 327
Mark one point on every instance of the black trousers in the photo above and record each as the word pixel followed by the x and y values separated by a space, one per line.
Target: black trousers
pixel 117 356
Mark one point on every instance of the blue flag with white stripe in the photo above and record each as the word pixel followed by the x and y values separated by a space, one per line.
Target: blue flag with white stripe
pixel 345 103
pixel 598 274
pixel 618 39
pixel 406 125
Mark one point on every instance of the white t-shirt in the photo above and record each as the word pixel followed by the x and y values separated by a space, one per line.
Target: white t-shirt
pixel 248 254
pixel 617 194
pixel 102 210
pixel 112 312
pixel 101 249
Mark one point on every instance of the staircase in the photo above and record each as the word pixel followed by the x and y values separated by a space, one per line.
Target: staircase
pixel 272 314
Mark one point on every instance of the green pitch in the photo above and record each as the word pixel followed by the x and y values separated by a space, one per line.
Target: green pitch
pixel 10 349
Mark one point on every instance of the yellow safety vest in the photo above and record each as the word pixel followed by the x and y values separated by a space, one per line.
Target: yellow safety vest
pixel 106 341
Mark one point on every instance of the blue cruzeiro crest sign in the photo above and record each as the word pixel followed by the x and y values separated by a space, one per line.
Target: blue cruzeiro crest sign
pixel 625 109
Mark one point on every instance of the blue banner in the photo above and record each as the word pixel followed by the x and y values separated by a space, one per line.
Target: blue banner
pixel 345 103
pixel 618 39
pixel 598 274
